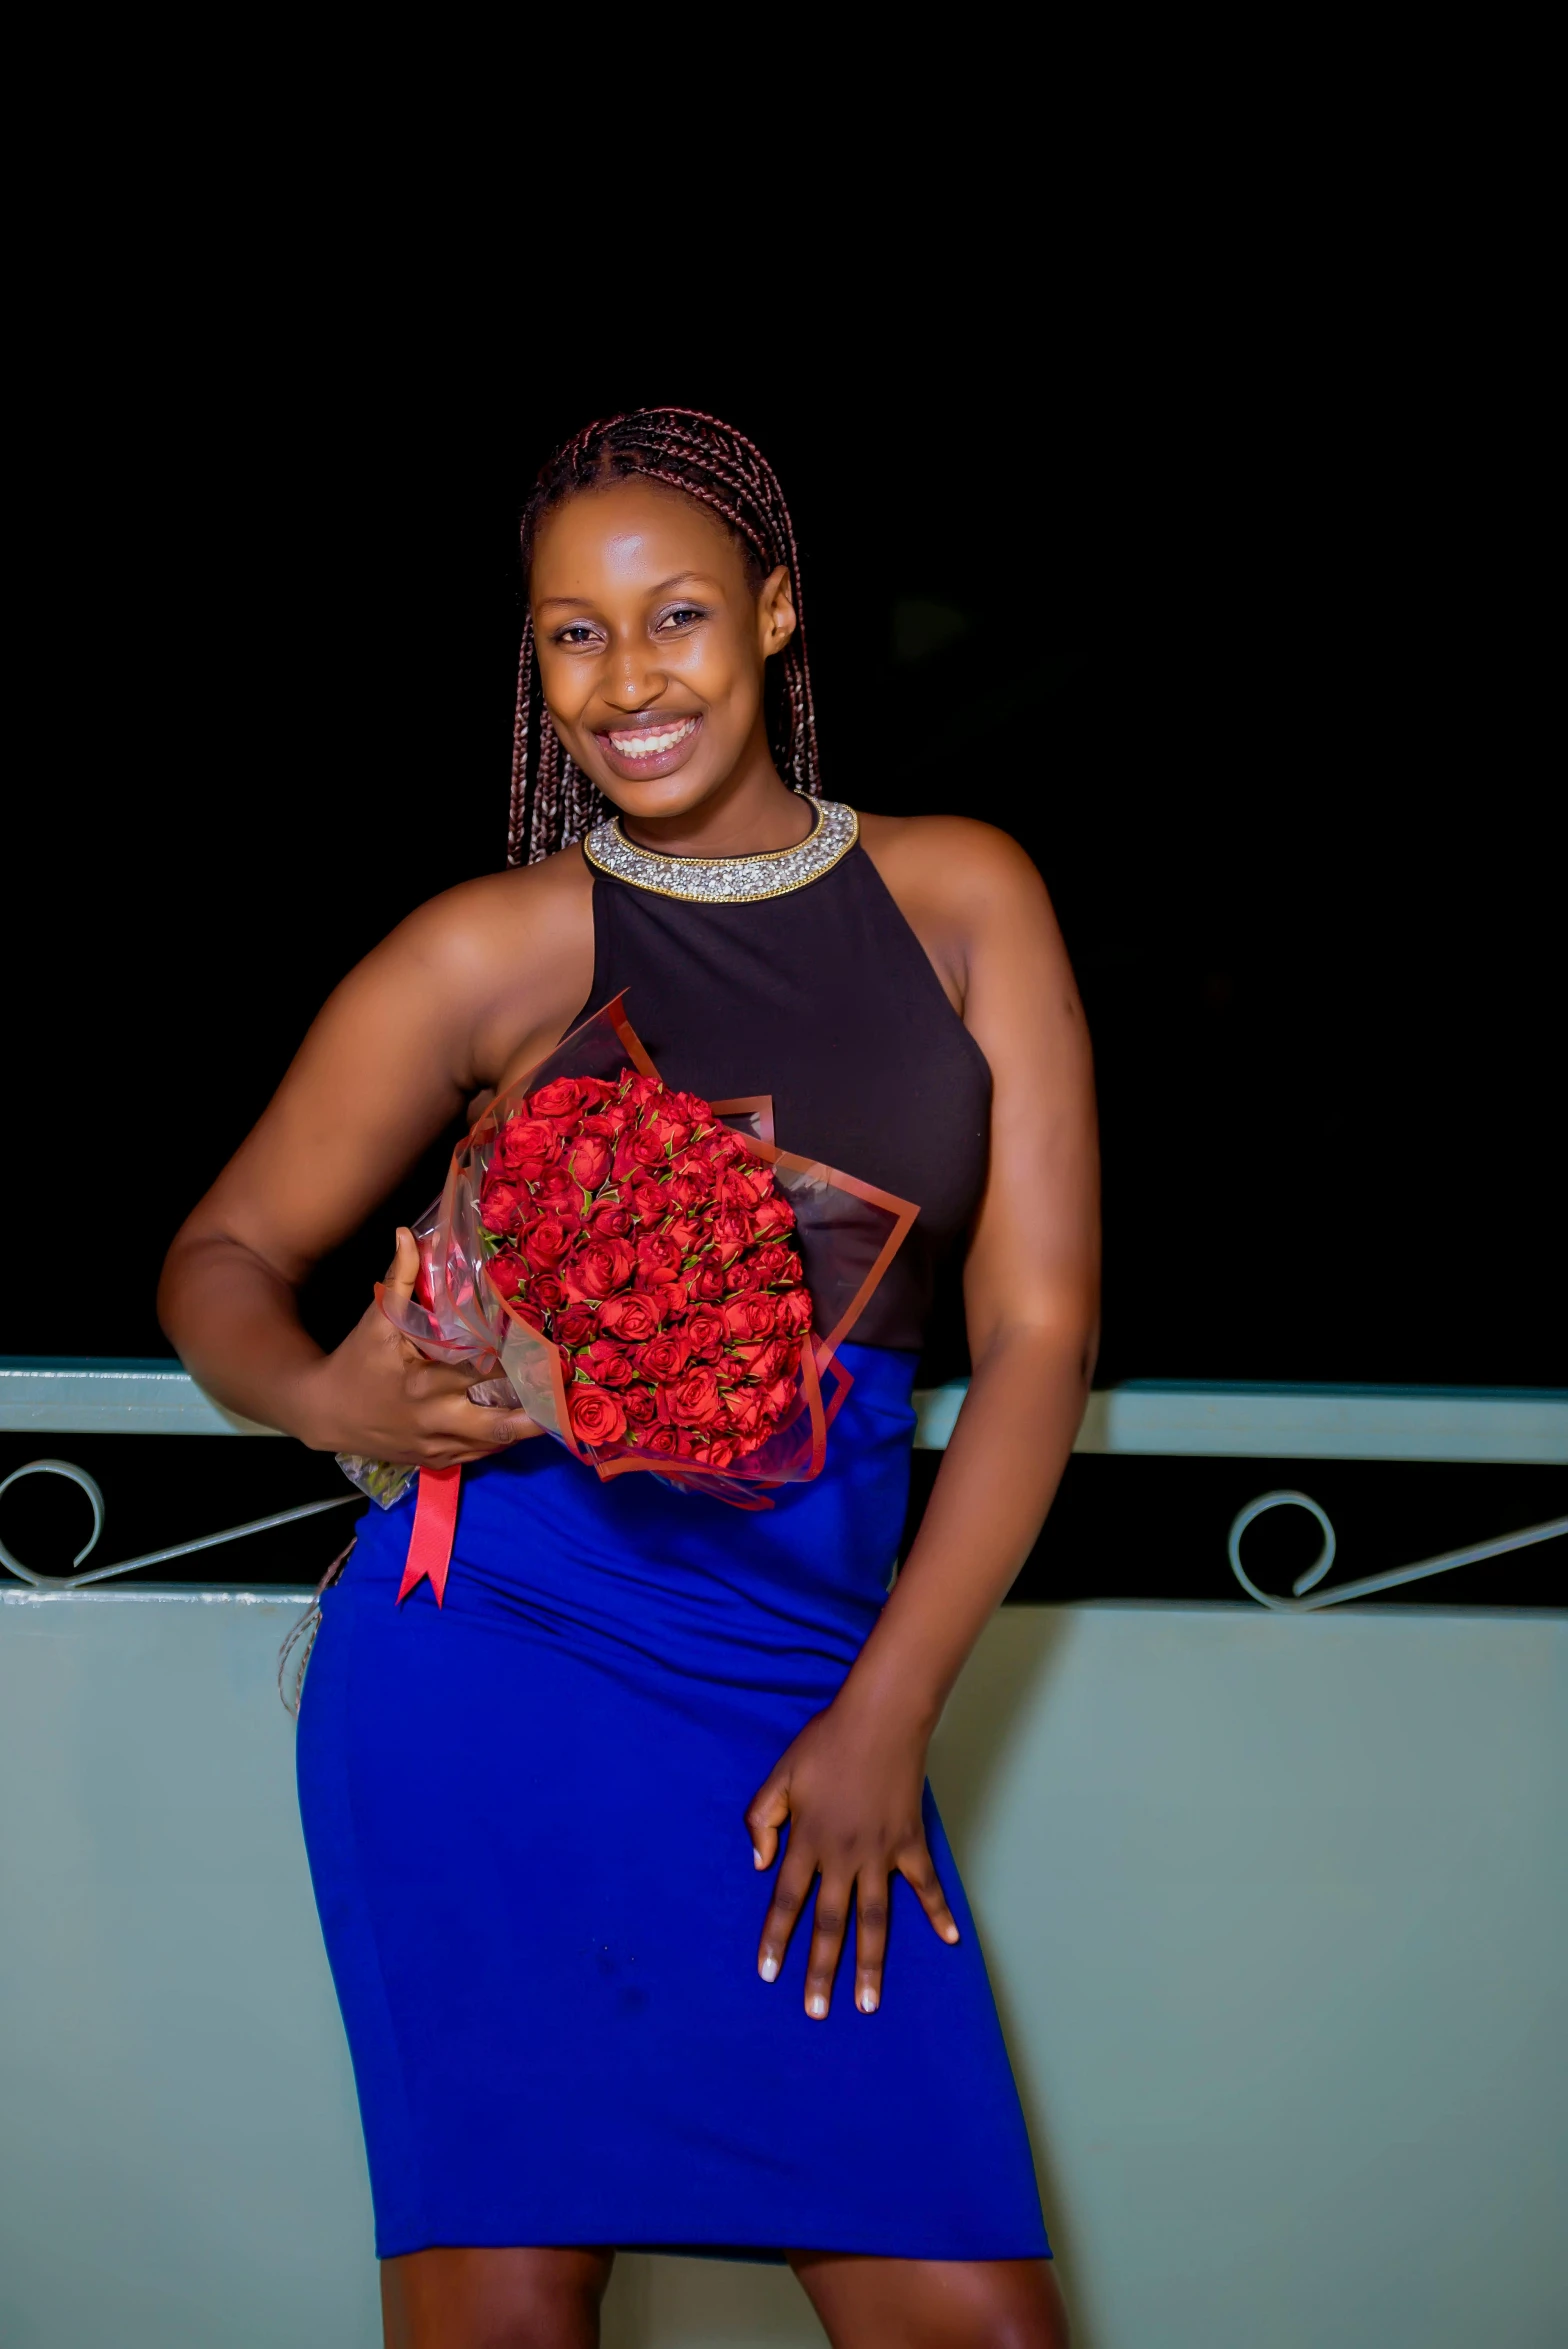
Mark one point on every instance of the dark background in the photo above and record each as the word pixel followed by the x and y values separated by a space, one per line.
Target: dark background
pixel 1226 608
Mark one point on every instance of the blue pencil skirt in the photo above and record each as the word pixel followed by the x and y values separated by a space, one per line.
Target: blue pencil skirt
pixel 525 1819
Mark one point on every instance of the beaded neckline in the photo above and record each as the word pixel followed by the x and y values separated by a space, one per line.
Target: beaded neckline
pixel 727 880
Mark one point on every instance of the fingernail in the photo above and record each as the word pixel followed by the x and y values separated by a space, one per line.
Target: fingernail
pixel 868 2001
pixel 769 1969
pixel 816 2006
pixel 757 1857
pixel 950 1934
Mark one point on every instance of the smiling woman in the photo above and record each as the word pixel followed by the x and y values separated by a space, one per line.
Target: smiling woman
pixel 538 1813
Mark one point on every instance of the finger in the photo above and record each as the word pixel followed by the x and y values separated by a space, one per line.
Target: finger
pixel 790 1894
pixel 834 1895
pixel 915 1865
pixel 768 1812
pixel 870 1938
pixel 403 1270
pixel 479 1428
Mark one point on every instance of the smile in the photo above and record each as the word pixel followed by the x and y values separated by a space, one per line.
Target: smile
pixel 645 743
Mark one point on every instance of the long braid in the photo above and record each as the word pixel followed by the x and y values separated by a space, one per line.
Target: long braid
pixel 683 449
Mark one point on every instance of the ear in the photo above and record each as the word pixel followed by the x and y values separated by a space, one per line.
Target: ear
pixel 775 613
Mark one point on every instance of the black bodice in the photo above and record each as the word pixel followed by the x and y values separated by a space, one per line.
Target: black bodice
pixel 824 998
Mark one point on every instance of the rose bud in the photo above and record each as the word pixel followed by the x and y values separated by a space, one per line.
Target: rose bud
pixel 588 1159
pixel 663 1358
pixel 705 1335
pixel 576 1326
pixel 731 1233
pixel 547 1242
pixel 632 1317
pixel 658 1259
pixel 507 1274
pixel 751 1317
pixel 597 1417
pixel 555 1188
pixel 559 1101
pixel 599 1266
pixel 693 1400
pixel 772 1219
pixel 498 1204
pixel 527 1138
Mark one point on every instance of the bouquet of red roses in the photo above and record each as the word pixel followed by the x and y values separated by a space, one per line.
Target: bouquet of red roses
pixel 648 1274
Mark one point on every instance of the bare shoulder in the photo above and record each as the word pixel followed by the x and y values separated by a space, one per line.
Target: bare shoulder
pixel 968 892
pixel 500 923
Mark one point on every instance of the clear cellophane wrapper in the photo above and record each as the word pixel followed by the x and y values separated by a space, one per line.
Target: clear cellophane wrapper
pixel 847 1233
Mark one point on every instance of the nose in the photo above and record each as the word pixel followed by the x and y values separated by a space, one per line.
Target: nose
pixel 632 683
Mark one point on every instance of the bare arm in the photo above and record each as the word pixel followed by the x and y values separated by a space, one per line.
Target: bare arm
pixel 478 978
pixel 851 1784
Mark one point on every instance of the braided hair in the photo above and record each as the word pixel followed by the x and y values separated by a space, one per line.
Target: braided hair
pixel 553 801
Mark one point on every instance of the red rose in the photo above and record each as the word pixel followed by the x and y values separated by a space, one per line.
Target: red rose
pixel 631 1316
pixel 658 1259
pixel 748 1412
pixel 720 1451
pixel 498 1205
pixel 599 1266
pixel 595 1092
pixel 663 1358
pixel 750 1318
pixel 641 1408
pixel 659 1439
pixel 524 1139
pixel 589 1160
pixel 685 1191
pixel 606 1363
pixel 684 1235
pixel 612 1219
pixel 576 1325
pixel 744 1186
pixel 795 1310
pixel 547 1292
pixel 731 1233
pixel 547 1241
pixel 672 1294
pixel 705 1335
pixel 778 1395
pixel 507 1274
pixel 772 1219
pixel 693 1400
pixel 774 1358
pixel 647 1202
pixel 708 1284
pixel 559 1101
pixel 597 1418
pixel 556 1189
pixel 770 1263
pixel 741 1278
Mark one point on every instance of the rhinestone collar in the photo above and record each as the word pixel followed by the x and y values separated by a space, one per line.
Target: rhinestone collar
pixel 727 880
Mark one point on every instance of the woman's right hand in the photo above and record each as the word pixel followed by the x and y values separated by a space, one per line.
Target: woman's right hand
pixel 376 1395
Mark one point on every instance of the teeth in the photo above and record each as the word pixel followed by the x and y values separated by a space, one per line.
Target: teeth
pixel 651 746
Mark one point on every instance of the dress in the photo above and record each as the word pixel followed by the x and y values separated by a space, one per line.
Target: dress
pixel 525 1810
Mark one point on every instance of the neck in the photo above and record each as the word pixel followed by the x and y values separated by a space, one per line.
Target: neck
pixel 752 813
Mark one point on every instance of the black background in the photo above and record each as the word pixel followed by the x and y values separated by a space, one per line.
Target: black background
pixel 1224 603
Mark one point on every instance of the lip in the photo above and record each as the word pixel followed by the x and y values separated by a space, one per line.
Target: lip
pixel 659 762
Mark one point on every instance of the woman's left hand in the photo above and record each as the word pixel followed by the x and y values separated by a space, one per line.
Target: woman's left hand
pixel 850 1788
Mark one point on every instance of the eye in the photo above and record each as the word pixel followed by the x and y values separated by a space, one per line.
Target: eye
pixel 681 616
pixel 576 632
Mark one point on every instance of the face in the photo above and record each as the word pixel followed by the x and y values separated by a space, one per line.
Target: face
pixel 652 644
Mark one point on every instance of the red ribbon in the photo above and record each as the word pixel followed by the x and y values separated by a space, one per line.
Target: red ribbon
pixel 435 1526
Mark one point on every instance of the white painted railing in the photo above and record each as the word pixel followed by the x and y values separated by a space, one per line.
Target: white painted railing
pixel 1174 1419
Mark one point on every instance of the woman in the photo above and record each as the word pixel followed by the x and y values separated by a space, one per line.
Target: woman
pixel 536 1815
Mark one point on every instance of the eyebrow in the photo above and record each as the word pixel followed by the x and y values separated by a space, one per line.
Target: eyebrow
pixel 673 581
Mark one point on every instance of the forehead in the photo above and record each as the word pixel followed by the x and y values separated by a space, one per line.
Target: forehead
pixel 630 535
